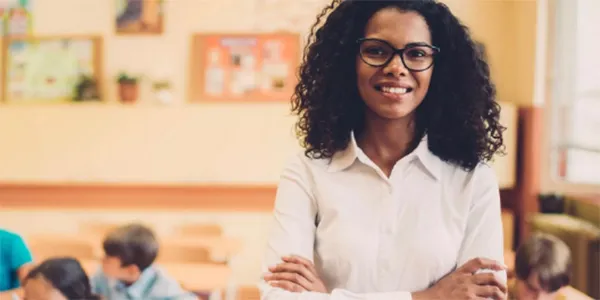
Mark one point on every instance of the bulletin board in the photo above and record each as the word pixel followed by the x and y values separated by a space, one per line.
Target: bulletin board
pixel 47 69
pixel 244 67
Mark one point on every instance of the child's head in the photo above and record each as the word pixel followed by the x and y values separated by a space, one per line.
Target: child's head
pixel 58 279
pixel 543 266
pixel 129 250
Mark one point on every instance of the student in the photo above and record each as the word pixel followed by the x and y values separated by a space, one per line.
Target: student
pixel 15 262
pixel 128 272
pixel 543 267
pixel 58 279
pixel 392 197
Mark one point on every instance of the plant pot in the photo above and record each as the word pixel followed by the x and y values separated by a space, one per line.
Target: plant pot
pixel 128 92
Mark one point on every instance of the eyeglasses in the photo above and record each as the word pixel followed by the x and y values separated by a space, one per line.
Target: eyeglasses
pixel 416 57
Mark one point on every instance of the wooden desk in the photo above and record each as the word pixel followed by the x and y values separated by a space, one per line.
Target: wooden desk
pixel 193 277
pixel 570 293
pixel 220 248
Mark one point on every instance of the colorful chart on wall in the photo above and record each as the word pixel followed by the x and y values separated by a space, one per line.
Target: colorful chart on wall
pixel 139 16
pixel 16 16
pixel 44 70
pixel 244 67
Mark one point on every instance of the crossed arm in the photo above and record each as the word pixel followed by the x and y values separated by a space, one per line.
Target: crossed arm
pixel 295 278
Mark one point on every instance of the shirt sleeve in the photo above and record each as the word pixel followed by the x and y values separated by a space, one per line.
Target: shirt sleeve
pixel 186 296
pixel 484 236
pixel 19 254
pixel 293 233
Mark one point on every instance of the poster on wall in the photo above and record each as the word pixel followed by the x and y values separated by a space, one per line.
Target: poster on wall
pixel 244 67
pixel 51 69
pixel 139 16
pixel 16 17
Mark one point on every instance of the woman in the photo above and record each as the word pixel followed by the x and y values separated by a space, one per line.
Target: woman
pixel 58 279
pixel 392 198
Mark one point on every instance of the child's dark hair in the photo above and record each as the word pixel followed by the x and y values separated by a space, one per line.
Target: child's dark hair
pixel 546 256
pixel 66 275
pixel 133 244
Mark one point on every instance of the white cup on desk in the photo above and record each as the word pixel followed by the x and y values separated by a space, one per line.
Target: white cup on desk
pixel 500 275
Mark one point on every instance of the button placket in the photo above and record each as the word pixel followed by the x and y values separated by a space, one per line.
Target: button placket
pixel 386 231
pixel 387 206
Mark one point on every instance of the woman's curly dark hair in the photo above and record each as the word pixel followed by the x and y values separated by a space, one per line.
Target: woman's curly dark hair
pixel 459 114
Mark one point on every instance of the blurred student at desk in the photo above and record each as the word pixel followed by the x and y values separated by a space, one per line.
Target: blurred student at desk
pixel 15 263
pixel 128 271
pixel 543 270
pixel 58 279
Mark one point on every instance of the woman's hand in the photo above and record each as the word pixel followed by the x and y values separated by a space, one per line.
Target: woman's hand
pixel 464 284
pixel 295 274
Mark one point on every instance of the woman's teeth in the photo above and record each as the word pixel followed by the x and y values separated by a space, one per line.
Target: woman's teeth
pixel 394 90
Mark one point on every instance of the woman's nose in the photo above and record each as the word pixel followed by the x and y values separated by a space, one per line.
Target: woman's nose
pixel 395 67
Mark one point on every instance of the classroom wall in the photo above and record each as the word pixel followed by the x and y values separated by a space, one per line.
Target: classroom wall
pixel 199 142
pixel 196 143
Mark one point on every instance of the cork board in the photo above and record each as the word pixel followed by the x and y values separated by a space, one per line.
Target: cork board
pixel 257 67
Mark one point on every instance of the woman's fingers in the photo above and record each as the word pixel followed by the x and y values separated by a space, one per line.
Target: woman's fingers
pixel 301 260
pixel 480 263
pixel 490 292
pixel 489 279
pixel 294 268
pixel 288 286
pixel 291 277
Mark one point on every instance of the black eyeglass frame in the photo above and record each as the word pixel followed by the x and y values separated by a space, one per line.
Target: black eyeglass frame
pixel 400 52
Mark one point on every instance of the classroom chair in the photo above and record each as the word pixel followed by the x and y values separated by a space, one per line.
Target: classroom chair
pixel 198 229
pixel 97 229
pixel 183 254
pixel 47 246
pixel 247 293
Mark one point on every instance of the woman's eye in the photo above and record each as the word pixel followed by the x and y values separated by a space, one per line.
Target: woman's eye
pixel 375 51
pixel 417 53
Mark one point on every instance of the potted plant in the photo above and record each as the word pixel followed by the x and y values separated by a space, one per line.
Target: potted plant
pixel 128 88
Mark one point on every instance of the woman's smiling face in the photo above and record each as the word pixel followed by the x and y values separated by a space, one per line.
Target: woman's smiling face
pixel 392 91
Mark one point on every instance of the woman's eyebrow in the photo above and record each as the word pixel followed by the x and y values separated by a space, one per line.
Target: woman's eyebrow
pixel 407 45
pixel 413 44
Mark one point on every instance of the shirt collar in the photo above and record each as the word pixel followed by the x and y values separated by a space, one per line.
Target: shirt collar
pixel 137 289
pixel 343 159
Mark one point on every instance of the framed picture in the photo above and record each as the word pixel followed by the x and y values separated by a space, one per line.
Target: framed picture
pixel 139 16
pixel 16 17
pixel 243 67
pixel 52 69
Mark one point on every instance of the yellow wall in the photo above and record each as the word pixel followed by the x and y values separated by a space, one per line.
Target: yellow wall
pixel 523 53
pixel 201 143
pixel 182 144
pixel 508 29
pixel 191 143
